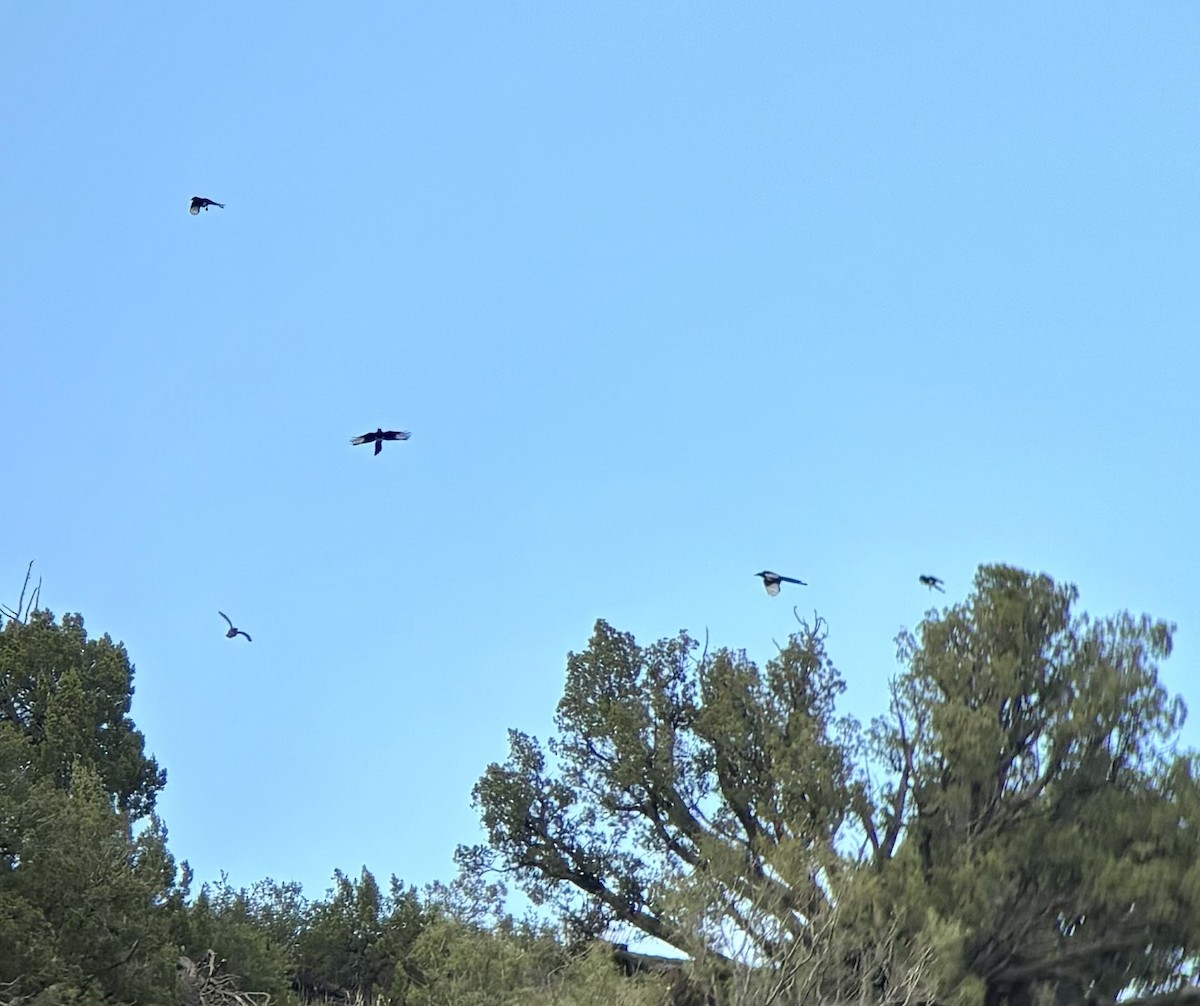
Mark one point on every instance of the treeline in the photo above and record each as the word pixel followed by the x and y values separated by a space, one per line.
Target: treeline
pixel 363 945
pixel 94 908
pixel 1019 826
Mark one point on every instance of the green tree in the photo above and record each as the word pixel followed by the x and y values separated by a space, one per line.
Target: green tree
pixel 1018 824
pixel 1051 815
pixel 68 698
pixel 517 964
pixel 87 898
pixel 247 930
pixel 357 939
pixel 85 904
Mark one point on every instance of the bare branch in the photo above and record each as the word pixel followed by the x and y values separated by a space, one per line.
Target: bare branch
pixel 206 985
pixel 22 611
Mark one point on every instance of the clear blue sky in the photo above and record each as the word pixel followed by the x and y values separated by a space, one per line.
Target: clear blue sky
pixel 666 293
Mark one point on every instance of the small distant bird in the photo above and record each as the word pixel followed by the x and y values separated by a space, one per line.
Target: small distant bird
pixel 771 581
pixel 379 436
pixel 932 582
pixel 200 203
pixel 232 631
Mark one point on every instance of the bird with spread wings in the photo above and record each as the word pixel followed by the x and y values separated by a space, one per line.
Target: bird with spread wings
pixel 200 203
pixel 379 436
pixel 771 581
pixel 234 631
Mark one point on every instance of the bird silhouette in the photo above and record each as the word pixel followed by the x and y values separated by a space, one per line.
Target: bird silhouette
pixel 379 436
pixel 771 581
pixel 932 582
pixel 232 631
pixel 200 203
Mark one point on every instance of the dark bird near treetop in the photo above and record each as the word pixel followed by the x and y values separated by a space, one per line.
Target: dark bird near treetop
pixel 932 582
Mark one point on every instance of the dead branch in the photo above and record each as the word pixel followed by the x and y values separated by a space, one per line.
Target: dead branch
pixel 15 614
pixel 205 984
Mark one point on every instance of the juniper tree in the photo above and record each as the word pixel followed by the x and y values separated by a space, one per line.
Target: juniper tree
pixel 1019 812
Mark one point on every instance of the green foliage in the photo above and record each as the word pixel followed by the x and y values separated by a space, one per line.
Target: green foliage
pixel 67 697
pixel 590 979
pixel 669 765
pixel 1019 827
pixel 84 904
pixel 1018 824
pixel 1052 816
pixel 358 939
pixel 455 963
pixel 240 928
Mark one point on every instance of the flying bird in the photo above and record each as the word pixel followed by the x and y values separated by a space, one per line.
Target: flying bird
pixel 379 436
pixel 232 631
pixel 200 203
pixel 932 582
pixel 771 581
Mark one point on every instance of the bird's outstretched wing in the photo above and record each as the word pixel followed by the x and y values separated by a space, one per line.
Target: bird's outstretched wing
pixel 396 435
pixel 194 210
pixel 366 438
pixel 246 634
pixel 226 617
pixel 772 587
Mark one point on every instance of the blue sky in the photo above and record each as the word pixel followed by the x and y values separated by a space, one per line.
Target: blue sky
pixel 667 294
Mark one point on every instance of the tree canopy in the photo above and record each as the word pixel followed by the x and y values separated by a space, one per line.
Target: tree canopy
pixel 64 703
pixel 1018 826
pixel 1020 806
pixel 84 896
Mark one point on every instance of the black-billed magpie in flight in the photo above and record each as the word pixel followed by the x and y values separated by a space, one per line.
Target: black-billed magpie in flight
pixel 771 581
pixel 200 203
